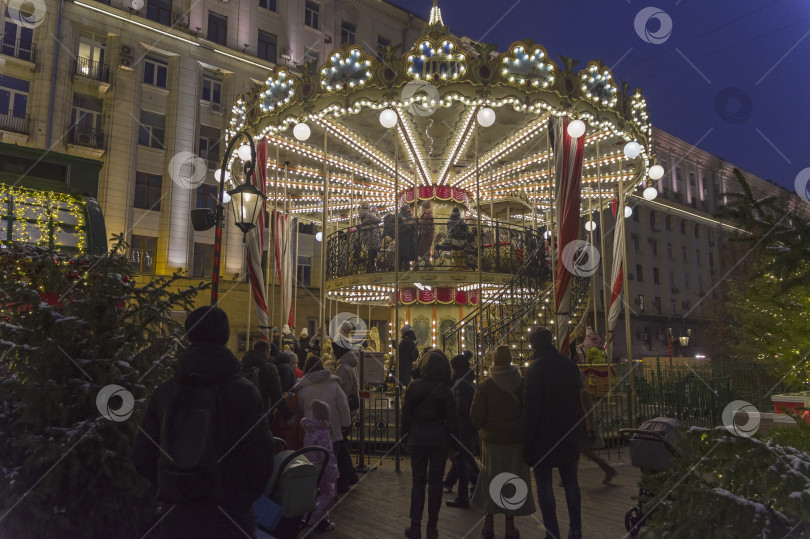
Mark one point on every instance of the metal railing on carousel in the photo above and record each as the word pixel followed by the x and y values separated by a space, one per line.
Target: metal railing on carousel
pixel 447 245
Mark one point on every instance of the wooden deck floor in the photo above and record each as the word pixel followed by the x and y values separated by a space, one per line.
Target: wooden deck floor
pixel 377 507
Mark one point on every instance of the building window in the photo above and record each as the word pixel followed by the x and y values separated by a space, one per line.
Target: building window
pixel 672 279
pixel 678 174
pixel 18 39
pixel 212 87
pixel 13 99
pixel 697 256
pixel 669 250
pixel 691 178
pixel 656 276
pixel 148 188
pixel 152 130
pixel 209 145
pixel 652 218
pixel 142 253
pixel 217 28
pixel 383 41
pixel 654 244
pixel 657 302
pixel 268 44
pixel 304 271
pixel 311 58
pixel 697 230
pixel 683 226
pixel 312 12
pixel 207 196
pixel 636 244
pixel 636 214
pixel 639 274
pixel 159 11
pixel 711 260
pixel 640 301
pixel 155 71
pixel 673 305
pixel 90 60
pixel 686 280
pixel 683 251
pixel 348 33
pixel 272 5
pixel 203 260
pixel 85 122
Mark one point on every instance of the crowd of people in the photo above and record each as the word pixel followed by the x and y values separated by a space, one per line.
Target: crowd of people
pixel 228 412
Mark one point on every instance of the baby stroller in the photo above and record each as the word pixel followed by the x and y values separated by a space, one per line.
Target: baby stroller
pixel 653 449
pixel 291 493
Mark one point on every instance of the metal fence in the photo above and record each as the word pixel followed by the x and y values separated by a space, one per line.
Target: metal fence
pixel 625 397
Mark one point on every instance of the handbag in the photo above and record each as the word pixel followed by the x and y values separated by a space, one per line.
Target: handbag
pixel 267 512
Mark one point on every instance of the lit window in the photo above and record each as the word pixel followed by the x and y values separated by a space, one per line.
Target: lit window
pixel 142 252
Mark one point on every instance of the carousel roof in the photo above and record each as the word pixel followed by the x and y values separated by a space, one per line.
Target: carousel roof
pixel 435 95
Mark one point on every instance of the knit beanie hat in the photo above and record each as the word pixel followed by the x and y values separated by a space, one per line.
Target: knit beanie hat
pixel 321 410
pixel 285 329
pixel 404 208
pixel 502 357
pixel 304 333
pixel 208 324
pixel 459 362
pixel 540 337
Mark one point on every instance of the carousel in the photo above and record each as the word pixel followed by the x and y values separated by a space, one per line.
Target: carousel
pixel 446 180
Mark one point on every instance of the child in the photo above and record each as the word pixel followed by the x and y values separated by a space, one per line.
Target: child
pixel 318 431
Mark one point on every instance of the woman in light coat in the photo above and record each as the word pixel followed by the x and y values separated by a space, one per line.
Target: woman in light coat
pixel 320 384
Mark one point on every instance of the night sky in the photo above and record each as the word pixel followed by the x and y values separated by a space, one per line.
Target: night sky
pixel 745 97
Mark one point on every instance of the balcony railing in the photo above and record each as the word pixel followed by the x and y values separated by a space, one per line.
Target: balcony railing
pixel 19 48
pixel 446 246
pixel 18 123
pixel 85 67
pixel 82 136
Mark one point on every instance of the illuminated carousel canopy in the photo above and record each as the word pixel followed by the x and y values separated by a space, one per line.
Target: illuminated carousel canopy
pixel 436 92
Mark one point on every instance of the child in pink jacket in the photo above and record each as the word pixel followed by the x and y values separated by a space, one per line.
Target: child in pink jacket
pixel 318 431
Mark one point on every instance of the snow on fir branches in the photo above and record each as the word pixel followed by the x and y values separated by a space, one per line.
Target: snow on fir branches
pixel 70 325
pixel 734 486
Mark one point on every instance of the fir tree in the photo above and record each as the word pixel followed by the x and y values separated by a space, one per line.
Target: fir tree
pixel 72 325
pixel 733 486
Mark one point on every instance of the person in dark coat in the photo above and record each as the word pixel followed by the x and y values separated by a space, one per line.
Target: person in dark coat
pixel 463 391
pixel 288 340
pixel 407 354
pixel 276 338
pixel 407 237
pixel 430 428
pixel 242 434
pixel 270 385
pixel 456 229
pixel 303 348
pixel 552 425
pixel 285 370
pixel 370 231
pixel 424 244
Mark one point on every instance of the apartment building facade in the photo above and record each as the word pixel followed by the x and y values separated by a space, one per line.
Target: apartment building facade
pixel 676 249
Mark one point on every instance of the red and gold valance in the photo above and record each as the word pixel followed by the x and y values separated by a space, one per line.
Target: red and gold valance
pixel 445 296
pixel 438 192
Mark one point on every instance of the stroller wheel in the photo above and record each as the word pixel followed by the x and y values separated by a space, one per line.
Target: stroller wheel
pixel 633 521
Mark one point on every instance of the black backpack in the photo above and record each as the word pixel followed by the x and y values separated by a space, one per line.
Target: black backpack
pixel 252 374
pixel 188 465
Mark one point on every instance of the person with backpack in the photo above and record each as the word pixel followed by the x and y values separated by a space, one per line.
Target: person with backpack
pixel 318 431
pixel 257 368
pixel 205 440
pixel 430 428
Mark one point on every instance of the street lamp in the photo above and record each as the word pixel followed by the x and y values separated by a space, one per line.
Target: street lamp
pixel 683 338
pixel 245 198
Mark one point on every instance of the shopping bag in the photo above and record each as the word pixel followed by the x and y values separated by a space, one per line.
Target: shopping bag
pixel 267 512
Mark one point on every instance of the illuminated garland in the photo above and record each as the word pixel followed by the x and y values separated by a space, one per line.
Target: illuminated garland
pixel 37 217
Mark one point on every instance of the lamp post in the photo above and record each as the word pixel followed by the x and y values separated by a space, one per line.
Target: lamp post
pixel 683 338
pixel 245 199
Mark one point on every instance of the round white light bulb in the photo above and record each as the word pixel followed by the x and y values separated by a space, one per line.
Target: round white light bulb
pixel 547 234
pixel 590 226
pixel 650 193
pixel 301 131
pixel 628 211
pixel 576 129
pixel 244 152
pixel 632 149
pixel 656 172
pixel 319 236
pixel 486 117
pixel 388 118
pixel 137 4
pixel 225 197
pixel 218 175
